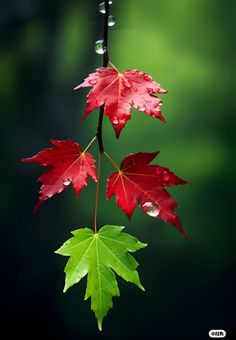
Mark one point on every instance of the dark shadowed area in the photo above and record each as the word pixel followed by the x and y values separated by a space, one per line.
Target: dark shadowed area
pixel 46 49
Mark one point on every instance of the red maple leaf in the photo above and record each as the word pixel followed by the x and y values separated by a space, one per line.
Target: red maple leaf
pixel 138 182
pixel 119 91
pixel 67 164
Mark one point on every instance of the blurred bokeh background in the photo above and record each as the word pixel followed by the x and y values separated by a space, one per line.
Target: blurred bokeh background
pixel 46 48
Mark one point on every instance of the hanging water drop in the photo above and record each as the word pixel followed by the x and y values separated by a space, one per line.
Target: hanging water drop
pixel 111 21
pixel 115 121
pixel 66 181
pixel 102 8
pixel 150 209
pixel 99 49
pixel 127 83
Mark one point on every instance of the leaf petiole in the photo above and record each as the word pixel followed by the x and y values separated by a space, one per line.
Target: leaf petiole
pixel 90 143
pixel 111 160
pixel 97 193
pixel 113 66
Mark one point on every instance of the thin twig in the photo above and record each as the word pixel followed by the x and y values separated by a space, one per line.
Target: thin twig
pixel 101 113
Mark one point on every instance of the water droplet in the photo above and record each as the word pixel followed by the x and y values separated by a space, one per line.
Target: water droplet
pixel 141 107
pixel 49 195
pixel 127 83
pixel 150 209
pixel 66 181
pixel 158 171
pixel 147 77
pixel 101 7
pixel 166 177
pixel 93 81
pixel 99 49
pixel 111 21
pixel 115 121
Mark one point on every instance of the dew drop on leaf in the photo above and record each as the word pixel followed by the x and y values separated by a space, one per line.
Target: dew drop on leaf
pixel 127 83
pixel 111 21
pixel 150 209
pixel 66 181
pixel 115 121
pixel 166 177
pixel 99 49
pixel 93 81
pixel 141 107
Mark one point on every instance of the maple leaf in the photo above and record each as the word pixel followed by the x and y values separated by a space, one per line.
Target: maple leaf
pixel 67 163
pixel 100 255
pixel 119 91
pixel 138 182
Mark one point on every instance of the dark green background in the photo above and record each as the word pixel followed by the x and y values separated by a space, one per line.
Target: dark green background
pixel 46 48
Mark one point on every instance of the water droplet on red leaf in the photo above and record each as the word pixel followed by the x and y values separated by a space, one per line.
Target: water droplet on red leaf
pixel 150 209
pixel 166 177
pixel 66 181
pixel 115 121
pixel 127 83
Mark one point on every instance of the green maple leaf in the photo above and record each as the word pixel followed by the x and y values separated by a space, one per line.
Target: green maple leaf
pixel 100 255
